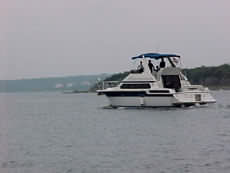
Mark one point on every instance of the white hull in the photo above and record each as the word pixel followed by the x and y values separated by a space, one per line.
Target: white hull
pixel 140 101
pixel 177 99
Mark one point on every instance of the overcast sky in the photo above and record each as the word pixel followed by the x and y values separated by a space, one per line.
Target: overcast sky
pixel 40 38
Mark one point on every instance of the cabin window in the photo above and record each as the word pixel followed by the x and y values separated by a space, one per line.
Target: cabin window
pixel 171 81
pixel 135 86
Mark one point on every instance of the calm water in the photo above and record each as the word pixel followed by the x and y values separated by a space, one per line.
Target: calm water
pixel 65 133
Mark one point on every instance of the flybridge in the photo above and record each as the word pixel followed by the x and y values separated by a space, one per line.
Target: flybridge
pixel 155 56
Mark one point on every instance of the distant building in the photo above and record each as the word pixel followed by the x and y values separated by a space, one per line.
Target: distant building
pixel 69 85
pixel 86 83
pixel 59 85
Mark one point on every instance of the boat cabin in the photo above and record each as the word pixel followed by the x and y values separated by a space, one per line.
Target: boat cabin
pixel 166 71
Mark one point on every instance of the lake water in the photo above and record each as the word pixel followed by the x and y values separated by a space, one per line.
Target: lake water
pixel 71 133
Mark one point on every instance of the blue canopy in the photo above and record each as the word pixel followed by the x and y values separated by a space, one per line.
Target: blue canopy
pixel 155 56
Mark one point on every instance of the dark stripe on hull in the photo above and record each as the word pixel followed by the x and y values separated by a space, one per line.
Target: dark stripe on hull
pixel 159 91
pixel 138 81
pixel 134 94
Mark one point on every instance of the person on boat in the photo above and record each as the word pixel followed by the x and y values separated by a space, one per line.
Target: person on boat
pixel 157 68
pixel 140 67
pixel 162 63
pixel 151 66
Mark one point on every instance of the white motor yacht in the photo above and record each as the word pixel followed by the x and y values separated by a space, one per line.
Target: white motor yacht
pixel 162 86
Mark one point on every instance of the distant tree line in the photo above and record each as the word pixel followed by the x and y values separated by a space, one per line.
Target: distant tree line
pixel 214 77
pixel 76 83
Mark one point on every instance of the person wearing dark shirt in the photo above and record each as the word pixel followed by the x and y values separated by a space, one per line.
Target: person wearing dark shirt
pixel 162 63
pixel 151 67
pixel 140 67
pixel 157 68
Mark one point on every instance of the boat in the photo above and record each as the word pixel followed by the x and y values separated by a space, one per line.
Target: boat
pixel 164 85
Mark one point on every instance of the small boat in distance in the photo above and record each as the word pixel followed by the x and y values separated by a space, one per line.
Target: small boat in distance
pixel 161 86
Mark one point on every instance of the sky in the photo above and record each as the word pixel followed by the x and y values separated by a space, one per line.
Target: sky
pixel 45 38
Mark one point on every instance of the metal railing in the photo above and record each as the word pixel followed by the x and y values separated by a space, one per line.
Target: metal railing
pixel 109 84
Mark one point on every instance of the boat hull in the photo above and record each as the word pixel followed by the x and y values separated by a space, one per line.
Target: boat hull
pixel 159 100
pixel 141 101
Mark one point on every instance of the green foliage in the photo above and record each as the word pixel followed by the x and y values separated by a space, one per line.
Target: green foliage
pixel 81 83
pixel 213 77
pixel 210 76
pixel 117 76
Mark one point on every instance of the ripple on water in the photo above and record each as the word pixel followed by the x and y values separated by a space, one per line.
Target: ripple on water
pixel 79 136
pixel 223 134
pixel 223 106
pixel 16 164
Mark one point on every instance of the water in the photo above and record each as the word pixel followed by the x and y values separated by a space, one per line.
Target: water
pixel 71 133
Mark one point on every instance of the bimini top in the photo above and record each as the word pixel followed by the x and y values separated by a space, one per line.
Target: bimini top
pixel 155 56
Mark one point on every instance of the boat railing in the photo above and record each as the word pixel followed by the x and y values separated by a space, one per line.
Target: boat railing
pixel 109 84
pixel 194 87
